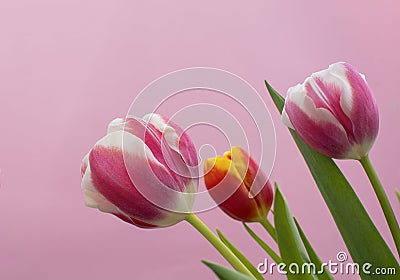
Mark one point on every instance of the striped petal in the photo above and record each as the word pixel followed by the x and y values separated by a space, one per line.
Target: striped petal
pixel 334 111
pixel 163 141
pixel 110 178
pixel 364 110
pixel 176 138
pixel 316 126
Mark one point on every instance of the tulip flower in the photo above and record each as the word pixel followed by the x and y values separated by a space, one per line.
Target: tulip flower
pixel 334 112
pixel 142 172
pixel 236 183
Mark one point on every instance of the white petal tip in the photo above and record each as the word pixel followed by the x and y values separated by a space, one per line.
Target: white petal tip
pixel 285 119
pixel 115 125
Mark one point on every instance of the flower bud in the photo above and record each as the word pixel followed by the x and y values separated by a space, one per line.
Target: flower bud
pixel 334 112
pixel 141 172
pixel 238 186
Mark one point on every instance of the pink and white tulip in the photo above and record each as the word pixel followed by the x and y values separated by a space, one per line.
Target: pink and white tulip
pixel 143 171
pixel 334 112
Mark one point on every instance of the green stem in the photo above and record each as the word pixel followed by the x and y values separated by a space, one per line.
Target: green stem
pixel 218 244
pixel 397 194
pixel 263 245
pixel 383 200
pixel 269 228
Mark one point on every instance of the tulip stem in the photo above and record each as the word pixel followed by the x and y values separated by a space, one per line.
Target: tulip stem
pixel 218 244
pixel 383 200
pixel 269 228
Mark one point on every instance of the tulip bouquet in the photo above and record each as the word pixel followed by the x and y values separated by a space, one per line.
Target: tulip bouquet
pixel 145 172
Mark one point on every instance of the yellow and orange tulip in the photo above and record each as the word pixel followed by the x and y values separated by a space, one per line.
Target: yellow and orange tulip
pixel 238 186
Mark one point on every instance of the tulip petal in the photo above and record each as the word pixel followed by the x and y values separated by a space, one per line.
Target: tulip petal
pixel 345 93
pixel 328 89
pixel 93 198
pixel 317 126
pixel 109 164
pixel 226 187
pixel 176 138
pixel 253 178
pixel 137 127
pixel 161 140
pixel 215 170
pixel 85 162
pixel 116 125
pixel 364 112
pixel 285 119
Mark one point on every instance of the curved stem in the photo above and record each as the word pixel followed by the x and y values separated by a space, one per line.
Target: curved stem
pixel 217 243
pixel 269 228
pixel 383 200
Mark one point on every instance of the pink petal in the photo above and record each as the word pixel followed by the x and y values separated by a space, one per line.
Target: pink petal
pixel 318 130
pixel 176 137
pixel 153 139
pixel 119 175
pixel 364 113
pixel 328 95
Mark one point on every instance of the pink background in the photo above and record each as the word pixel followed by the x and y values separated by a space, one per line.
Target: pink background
pixel 68 67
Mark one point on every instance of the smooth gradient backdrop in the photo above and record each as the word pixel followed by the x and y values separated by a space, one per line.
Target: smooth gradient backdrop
pixel 68 67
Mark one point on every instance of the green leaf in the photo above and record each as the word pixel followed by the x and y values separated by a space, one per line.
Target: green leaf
pixel 290 245
pixel 276 97
pixel 263 245
pixel 240 256
pixel 224 273
pixel 397 194
pixel 313 255
pixel 362 238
